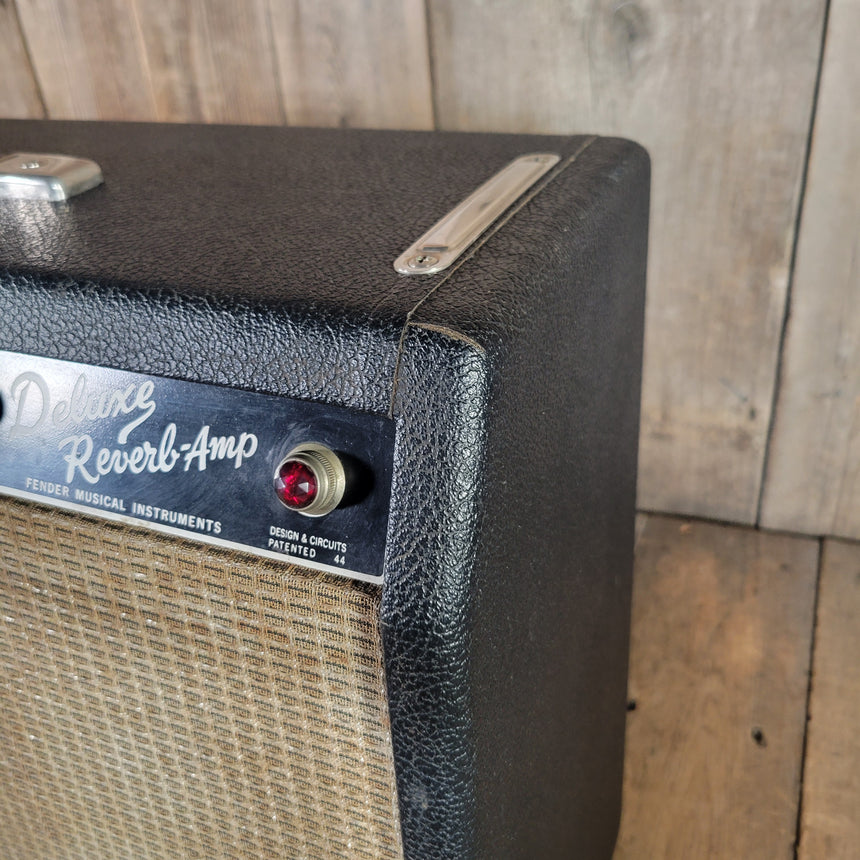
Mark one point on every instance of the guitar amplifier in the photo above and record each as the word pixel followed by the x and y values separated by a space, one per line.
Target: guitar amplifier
pixel 317 478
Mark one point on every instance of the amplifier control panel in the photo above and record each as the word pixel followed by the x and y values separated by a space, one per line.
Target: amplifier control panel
pixel 297 481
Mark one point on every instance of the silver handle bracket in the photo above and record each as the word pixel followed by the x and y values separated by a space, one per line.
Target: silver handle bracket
pixel 38 176
pixel 449 237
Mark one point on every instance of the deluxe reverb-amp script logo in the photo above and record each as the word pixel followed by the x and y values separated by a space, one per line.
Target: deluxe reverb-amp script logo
pixel 37 412
pixel 179 456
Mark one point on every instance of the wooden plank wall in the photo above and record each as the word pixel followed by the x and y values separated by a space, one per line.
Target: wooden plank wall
pixel 258 61
pixel 19 93
pixel 721 94
pixel 813 481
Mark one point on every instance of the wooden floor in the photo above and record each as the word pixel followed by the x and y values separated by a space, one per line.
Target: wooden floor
pixel 743 732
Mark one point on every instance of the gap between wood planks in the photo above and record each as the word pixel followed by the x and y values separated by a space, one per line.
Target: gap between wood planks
pixel 719 684
pixel 744 690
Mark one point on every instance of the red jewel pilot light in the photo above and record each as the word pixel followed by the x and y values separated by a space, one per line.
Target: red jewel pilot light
pixel 310 480
pixel 297 485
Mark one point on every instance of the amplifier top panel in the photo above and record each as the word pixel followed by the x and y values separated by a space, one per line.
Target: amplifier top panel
pixel 283 215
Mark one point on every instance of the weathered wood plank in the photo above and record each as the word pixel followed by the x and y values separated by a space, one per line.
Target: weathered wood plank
pixel 830 825
pixel 19 92
pixel 260 61
pixel 813 480
pixel 721 95
pixel 211 60
pixel 354 64
pixel 88 58
pixel 722 626
pixel 175 60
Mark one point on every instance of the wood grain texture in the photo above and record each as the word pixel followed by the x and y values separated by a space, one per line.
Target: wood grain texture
pixel 211 60
pixel 813 479
pixel 354 64
pixel 19 93
pixel 722 627
pixel 172 60
pixel 830 825
pixel 88 58
pixel 721 95
pixel 258 61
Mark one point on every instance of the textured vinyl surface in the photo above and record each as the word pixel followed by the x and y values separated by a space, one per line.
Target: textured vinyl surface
pixel 159 699
pixel 504 625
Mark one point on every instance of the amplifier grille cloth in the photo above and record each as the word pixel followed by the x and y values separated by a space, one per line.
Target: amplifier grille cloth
pixel 162 699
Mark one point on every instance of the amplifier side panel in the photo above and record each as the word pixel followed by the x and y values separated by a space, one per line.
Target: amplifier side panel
pixel 550 590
